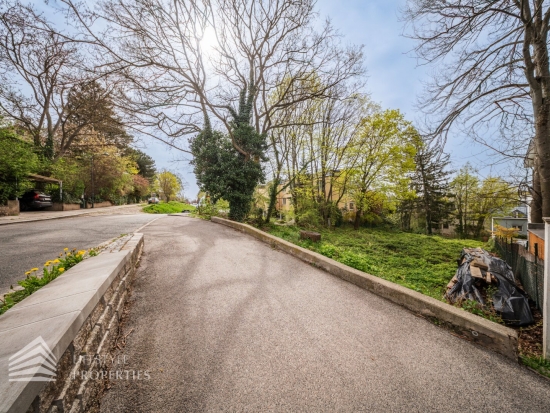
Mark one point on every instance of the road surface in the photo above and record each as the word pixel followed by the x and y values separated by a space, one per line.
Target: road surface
pixel 27 245
pixel 222 322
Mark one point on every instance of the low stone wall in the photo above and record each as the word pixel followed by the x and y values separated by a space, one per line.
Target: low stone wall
pixel 73 322
pixel 11 209
pixel 58 206
pixel 100 204
pixel 473 328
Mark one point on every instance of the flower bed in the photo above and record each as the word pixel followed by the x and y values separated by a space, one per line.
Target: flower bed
pixel 52 269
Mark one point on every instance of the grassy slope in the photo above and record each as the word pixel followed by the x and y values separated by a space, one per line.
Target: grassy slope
pixel 419 262
pixel 171 207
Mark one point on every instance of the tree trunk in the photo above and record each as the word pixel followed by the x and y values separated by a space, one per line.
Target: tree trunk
pixel 536 202
pixel 272 199
pixel 357 222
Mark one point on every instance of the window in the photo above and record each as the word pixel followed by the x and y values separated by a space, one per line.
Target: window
pixel 351 206
pixel 519 227
pixel 445 226
pixel 284 201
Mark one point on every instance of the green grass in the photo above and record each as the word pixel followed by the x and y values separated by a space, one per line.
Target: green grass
pixel 537 363
pixel 172 207
pixel 422 263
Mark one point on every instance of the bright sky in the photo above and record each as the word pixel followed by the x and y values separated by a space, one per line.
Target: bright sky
pixel 394 81
pixel 394 78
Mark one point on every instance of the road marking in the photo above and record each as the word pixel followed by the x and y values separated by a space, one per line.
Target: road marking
pixel 150 222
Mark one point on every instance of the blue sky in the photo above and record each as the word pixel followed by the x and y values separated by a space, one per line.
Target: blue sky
pixel 394 78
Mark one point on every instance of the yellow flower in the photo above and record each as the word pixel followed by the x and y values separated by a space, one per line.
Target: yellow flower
pixel 27 273
pixel 65 249
pixel 61 269
pixel 56 261
pixel 81 252
pixel 48 263
pixel 34 269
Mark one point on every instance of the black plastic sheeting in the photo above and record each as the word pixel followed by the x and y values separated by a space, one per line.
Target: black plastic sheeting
pixel 510 302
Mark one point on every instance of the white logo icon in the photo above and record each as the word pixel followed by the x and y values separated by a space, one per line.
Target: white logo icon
pixel 34 362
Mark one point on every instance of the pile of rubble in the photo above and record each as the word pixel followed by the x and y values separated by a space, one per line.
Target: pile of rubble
pixel 477 270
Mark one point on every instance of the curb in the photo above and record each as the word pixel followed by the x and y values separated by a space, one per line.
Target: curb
pixel 76 314
pixel 471 327
pixel 91 211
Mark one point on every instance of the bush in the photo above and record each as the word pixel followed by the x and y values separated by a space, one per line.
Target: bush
pixel 17 160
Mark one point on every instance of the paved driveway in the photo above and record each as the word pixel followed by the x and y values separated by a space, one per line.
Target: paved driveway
pixel 222 322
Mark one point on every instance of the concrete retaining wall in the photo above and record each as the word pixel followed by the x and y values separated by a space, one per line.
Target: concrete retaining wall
pixel 75 317
pixel 99 204
pixel 491 335
pixel 58 206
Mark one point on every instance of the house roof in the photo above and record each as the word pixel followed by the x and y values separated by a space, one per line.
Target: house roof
pixel 40 178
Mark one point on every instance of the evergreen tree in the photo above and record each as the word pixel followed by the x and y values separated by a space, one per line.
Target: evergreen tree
pixel 146 164
pixel 229 167
pixel 431 182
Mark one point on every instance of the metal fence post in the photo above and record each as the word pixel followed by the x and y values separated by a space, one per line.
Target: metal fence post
pixel 546 296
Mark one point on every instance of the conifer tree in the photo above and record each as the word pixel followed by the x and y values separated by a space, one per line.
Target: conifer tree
pixel 431 182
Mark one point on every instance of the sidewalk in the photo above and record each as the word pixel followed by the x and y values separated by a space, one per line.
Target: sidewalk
pixel 46 215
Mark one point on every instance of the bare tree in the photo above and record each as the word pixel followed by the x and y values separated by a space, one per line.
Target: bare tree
pixel 44 82
pixel 259 45
pixel 494 67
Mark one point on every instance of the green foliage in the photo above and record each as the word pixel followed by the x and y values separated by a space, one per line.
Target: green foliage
pixel 478 309
pixel 430 182
pixel 477 200
pixel 168 183
pixel 537 363
pixel 230 168
pixel 17 160
pixel 172 207
pixel 416 261
pixel 385 150
pixel 145 164
pixel 207 210
pixel 52 269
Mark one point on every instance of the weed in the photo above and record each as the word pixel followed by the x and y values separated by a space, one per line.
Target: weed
pixel 537 363
pixel 419 262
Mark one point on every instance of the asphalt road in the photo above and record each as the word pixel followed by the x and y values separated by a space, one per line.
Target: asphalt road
pixel 222 322
pixel 30 244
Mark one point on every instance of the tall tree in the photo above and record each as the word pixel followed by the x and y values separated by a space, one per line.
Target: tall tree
pixel 44 80
pixel 169 184
pixel 494 65
pixel 386 146
pixel 465 187
pixel 224 172
pixel 431 183
pixel 186 60
pixel 145 164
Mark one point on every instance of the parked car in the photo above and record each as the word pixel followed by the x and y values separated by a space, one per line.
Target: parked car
pixel 34 199
pixel 153 200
